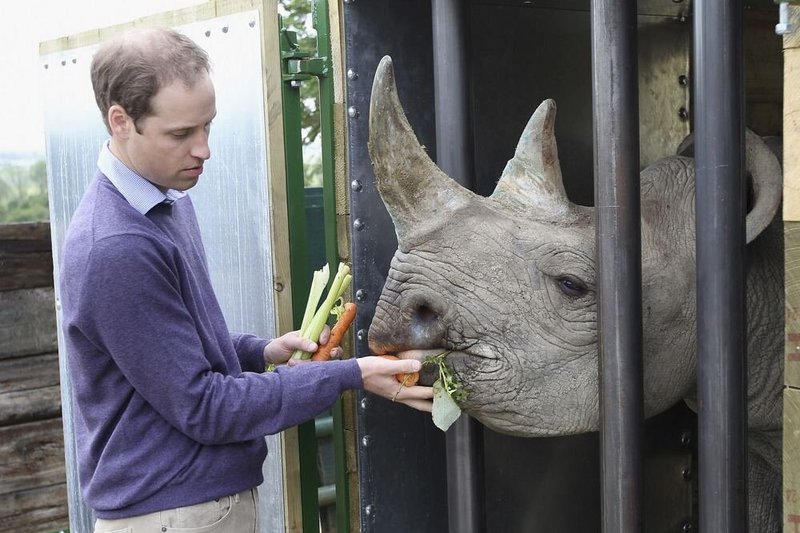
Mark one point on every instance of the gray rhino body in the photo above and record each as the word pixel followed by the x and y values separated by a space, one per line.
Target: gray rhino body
pixel 507 283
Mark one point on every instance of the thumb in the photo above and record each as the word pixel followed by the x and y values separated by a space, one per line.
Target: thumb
pixel 410 365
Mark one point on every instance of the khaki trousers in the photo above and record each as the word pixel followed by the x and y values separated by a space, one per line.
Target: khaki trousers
pixel 231 514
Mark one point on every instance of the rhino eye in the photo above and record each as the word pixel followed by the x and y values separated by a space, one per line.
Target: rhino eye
pixel 571 286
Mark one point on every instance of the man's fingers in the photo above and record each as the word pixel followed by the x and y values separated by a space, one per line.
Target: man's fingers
pixel 420 405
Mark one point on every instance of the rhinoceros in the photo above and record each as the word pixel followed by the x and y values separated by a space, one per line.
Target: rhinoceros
pixel 507 284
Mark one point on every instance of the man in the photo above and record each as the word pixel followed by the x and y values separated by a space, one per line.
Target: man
pixel 171 408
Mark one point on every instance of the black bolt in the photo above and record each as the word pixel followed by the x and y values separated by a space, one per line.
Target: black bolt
pixel 683 81
pixel 683 113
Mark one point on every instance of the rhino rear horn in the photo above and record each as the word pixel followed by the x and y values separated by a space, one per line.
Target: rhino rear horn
pixel 531 180
pixel 415 191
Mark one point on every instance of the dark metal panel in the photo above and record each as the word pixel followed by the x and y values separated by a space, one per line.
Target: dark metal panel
pixel 619 265
pixel 553 484
pixel 720 216
pixel 401 454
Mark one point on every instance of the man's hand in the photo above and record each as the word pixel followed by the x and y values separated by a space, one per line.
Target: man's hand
pixel 378 374
pixel 279 350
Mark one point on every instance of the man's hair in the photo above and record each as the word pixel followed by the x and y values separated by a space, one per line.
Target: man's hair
pixel 131 68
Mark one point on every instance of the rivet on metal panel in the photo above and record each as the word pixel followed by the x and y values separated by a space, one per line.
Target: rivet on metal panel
pixel 352 112
pixel 365 440
pixel 686 438
pixel 63 62
pixel 46 66
pixel 369 509
pixel 294 83
pixel 683 113
pixel 361 295
pixel 686 473
pixel 252 23
pixel 364 403
pixel 349 1
pixel 208 33
pixel 677 1
pixel 355 185
pixel 682 17
pixel 224 29
pixel 352 74
pixel 74 60
pixel 358 224
pixel 361 334
pixel 527 2
pixel 683 80
pixel 278 286
pixel 686 527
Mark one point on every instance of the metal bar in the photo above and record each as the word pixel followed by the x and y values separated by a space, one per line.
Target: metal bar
pixel 464 439
pixel 720 208
pixel 618 236
pixel 451 90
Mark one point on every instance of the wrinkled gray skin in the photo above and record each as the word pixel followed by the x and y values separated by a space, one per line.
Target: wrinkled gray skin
pixel 508 283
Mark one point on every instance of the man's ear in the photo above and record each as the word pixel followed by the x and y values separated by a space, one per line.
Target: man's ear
pixel 120 123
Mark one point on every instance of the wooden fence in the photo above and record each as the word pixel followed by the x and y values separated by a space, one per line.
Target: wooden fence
pixel 33 489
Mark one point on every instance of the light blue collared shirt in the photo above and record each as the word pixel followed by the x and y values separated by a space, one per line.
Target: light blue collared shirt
pixel 140 193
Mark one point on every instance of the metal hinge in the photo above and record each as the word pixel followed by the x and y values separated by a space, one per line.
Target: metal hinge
pixel 299 65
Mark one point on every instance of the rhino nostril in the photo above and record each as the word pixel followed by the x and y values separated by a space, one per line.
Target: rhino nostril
pixel 425 315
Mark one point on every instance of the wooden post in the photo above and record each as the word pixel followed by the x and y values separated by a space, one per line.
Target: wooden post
pixel 791 216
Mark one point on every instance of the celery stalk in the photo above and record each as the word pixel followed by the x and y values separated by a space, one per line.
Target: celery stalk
pixel 318 283
pixel 340 282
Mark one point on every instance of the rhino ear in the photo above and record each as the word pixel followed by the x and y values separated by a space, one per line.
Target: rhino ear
pixel 766 180
pixel 767 184
pixel 415 191
pixel 532 178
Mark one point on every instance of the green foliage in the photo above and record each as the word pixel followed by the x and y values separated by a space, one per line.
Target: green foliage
pixel 23 193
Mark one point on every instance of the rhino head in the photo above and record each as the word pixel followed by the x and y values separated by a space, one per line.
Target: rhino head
pixel 507 283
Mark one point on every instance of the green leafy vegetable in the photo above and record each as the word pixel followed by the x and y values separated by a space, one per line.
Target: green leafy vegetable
pixel 447 393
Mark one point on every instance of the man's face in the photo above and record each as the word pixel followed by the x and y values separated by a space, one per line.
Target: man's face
pixel 172 143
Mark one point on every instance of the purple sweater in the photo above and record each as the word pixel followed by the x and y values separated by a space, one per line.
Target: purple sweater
pixel 170 408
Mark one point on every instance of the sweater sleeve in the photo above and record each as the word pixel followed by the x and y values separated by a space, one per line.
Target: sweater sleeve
pixel 133 309
pixel 250 350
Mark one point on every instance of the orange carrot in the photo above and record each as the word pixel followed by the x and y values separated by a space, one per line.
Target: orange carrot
pixel 323 352
pixel 407 380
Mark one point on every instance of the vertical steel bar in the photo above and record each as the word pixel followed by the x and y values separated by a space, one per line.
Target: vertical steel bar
pixel 720 208
pixel 618 227
pixel 464 440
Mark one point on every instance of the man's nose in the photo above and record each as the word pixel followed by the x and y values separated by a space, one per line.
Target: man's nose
pixel 200 148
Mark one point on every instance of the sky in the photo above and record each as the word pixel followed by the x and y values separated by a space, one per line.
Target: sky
pixel 23 25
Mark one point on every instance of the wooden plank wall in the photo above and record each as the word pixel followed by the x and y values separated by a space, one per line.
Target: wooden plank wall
pixel 33 487
pixel 791 216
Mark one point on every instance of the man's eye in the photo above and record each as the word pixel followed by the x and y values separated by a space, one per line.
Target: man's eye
pixel 180 134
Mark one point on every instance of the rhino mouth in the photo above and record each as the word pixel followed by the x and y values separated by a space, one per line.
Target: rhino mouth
pixel 430 367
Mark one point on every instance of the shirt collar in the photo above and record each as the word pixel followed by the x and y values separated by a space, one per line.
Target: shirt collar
pixel 140 193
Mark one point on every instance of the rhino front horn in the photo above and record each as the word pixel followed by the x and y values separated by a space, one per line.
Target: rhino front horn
pixel 416 192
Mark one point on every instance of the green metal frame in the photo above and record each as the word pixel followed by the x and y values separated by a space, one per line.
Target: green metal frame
pixel 298 66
